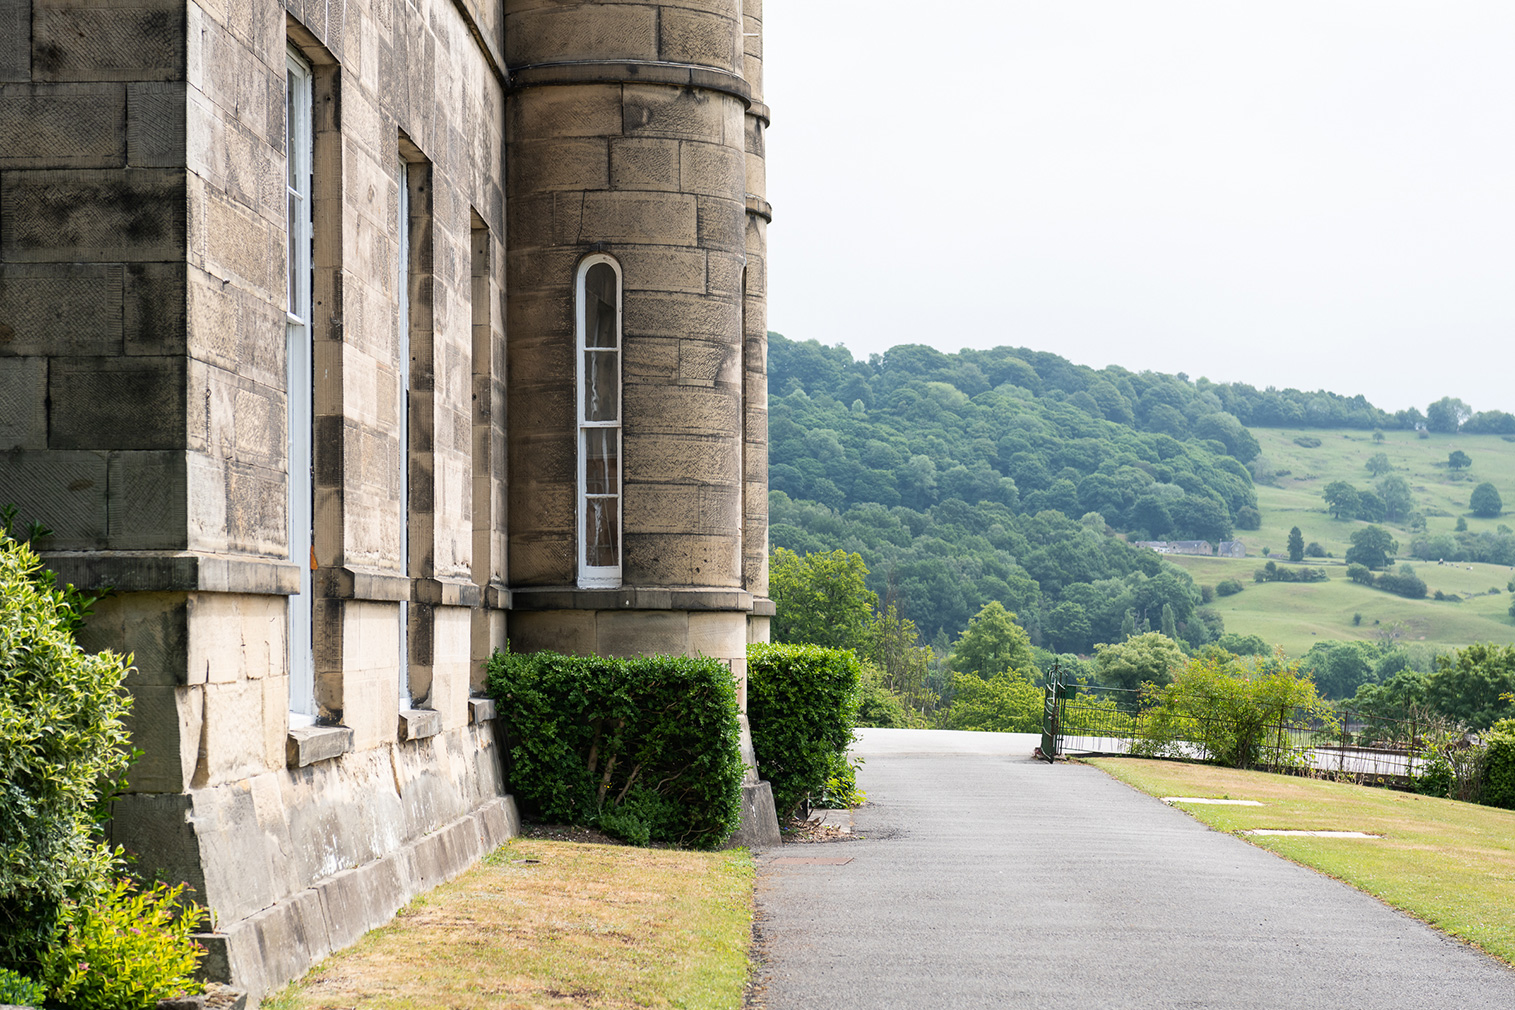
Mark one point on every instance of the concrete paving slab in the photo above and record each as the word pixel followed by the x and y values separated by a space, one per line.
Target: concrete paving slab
pixel 986 879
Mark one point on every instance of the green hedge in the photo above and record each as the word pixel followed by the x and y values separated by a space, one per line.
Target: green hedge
pixel 802 703
pixel 645 749
pixel 62 740
pixel 1499 767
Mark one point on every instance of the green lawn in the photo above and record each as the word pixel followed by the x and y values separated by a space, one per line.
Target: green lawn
pixel 1451 864
pixel 550 924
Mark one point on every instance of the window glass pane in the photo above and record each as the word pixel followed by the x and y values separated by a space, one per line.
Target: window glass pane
pixel 602 399
pixel 601 533
pixel 291 83
pixel 599 306
pixel 293 252
pixel 602 464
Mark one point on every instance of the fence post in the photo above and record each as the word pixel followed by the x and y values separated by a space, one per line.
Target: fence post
pixel 1049 713
pixel 1341 754
pixel 1410 749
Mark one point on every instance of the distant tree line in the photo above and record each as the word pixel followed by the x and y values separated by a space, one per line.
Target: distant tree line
pixel 1072 583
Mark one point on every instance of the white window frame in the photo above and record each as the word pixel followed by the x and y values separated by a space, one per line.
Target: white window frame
pixel 298 346
pixel 598 576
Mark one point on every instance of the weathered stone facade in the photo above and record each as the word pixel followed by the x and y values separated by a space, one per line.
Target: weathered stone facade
pixel 373 487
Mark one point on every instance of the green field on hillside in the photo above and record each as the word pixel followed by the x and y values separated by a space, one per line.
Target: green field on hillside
pixel 1295 615
pixel 1441 494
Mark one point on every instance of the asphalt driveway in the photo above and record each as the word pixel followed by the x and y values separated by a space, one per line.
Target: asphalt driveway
pixel 986 879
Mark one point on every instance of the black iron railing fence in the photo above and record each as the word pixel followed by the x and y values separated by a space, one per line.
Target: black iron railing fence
pixel 1088 720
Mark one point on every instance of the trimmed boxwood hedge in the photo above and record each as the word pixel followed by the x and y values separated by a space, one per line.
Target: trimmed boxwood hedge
pixel 802 703
pixel 645 749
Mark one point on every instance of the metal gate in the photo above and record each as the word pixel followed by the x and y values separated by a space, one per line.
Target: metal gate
pixel 1086 719
pixel 1051 711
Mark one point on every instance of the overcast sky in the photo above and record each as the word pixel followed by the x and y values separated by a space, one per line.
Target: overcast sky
pixel 1309 193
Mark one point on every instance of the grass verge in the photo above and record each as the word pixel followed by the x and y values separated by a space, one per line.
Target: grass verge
pixel 1450 864
pixel 544 923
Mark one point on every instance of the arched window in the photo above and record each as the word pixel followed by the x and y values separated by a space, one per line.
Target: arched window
pixel 599 397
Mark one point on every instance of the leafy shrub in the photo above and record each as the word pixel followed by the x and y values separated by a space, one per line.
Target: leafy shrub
pixel 18 990
pixel 1217 709
pixel 1402 582
pixel 647 749
pixel 1228 587
pixel 802 703
pixel 61 737
pixel 1244 645
pixel 1006 703
pixel 125 950
pixel 1307 442
pixel 1499 767
pixel 879 706
pixel 1273 572
pixel 1313 549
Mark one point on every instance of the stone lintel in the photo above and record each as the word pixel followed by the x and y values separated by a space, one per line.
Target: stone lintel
pixel 633 598
pixel 355 583
pixel 173 571
pixel 683 75
pixel 446 592
pixel 309 744
pixel 481 709
pixel 419 723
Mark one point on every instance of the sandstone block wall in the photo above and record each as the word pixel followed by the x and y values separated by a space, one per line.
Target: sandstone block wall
pixel 145 400
pixel 653 174
pixel 144 417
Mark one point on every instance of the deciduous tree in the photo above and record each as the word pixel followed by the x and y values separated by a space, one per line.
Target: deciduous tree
pixel 1446 415
pixel 1395 492
pixel 1457 459
pixel 1150 658
pixel 1378 463
pixel 1371 546
pixel 992 643
pixel 820 599
pixel 1341 499
pixel 1485 501
pixel 1473 686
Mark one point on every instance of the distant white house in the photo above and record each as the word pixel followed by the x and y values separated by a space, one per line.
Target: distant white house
pixel 1202 547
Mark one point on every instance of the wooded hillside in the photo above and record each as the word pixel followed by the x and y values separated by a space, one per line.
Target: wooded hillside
pixel 1006 475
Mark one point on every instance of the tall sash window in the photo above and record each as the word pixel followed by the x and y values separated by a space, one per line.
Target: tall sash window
pixel 599 403
pixel 297 330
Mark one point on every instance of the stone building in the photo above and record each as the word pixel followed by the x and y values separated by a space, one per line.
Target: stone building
pixel 348 340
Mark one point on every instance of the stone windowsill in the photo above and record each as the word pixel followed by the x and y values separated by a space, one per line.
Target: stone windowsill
pixel 419 723
pixel 307 745
pixel 481 709
pixel 631 598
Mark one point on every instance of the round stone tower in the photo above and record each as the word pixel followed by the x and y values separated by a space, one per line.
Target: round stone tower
pixel 636 328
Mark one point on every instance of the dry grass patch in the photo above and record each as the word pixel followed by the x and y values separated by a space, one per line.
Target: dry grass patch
pixel 1451 864
pixel 556 924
